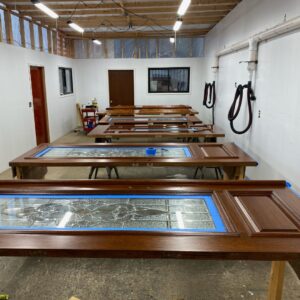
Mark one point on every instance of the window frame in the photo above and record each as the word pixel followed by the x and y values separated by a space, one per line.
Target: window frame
pixel 169 92
pixel 64 81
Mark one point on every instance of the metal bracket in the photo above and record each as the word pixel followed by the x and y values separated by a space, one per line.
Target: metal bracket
pixel 248 61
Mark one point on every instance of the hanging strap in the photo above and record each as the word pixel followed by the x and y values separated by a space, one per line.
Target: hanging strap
pixel 209 98
pixel 237 104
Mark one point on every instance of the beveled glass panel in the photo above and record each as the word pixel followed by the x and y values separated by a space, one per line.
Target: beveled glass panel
pixel 110 212
pixel 97 152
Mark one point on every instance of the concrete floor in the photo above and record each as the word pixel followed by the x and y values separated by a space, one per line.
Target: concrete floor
pixel 92 279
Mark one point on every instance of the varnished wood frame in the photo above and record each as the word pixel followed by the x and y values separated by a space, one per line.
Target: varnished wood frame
pixel 139 120
pixel 234 165
pixel 236 244
pixel 126 131
pixel 152 111
pixel 179 106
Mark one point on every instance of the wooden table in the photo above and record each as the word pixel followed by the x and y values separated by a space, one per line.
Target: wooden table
pixel 218 220
pixel 149 120
pixel 34 164
pixel 104 133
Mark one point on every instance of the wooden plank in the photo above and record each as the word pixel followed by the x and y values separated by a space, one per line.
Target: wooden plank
pixel 41 40
pixel 32 39
pixel 160 130
pixel 49 38
pixel 22 32
pixel 54 38
pixel 1 37
pixel 129 5
pixel 8 27
pixel 276 280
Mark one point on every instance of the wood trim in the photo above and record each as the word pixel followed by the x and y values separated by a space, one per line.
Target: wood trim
pixel 41 40
pixel 54 38
pixel 22 32
pixel 122 131
pixel 1 37
pixel 49 37
pixel 8 27
pixel 32 39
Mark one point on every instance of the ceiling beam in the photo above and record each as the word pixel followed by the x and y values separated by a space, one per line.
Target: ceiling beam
pixel 133 34
pixel 128 5
pixel 115 22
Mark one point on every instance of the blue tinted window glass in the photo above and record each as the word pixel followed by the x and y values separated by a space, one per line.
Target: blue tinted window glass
pixel 3 25
pixel 183 47
pixel 45 39
pixel 118 48
pixel 36 36
pixel 198 47
pixel 16 30
pixel 27 34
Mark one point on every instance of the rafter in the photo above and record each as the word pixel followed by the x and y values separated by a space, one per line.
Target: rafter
pixel 114 15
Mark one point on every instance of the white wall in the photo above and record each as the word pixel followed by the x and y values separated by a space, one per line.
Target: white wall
pixel 92 80
pixel 17 132
pixel 275 137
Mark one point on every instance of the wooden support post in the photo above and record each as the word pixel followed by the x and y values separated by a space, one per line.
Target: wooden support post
pixel 54 38
pixel 276 280
pixel 105 49
pixel 90 47
pixel 41 38
pixel 22 32
pixel 1 37
pixel 32 35
pixel 234 173
pixel 9 34
pixel 49 38
pixel 72 48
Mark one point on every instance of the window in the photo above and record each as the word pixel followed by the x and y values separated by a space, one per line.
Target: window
pixel 65 81
pixel 27 34
pixel 36 36
pixel 15 24
pixel 169 80
pixel 2 25
pixel 45 39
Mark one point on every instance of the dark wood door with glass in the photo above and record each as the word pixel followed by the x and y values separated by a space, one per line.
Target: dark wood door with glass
pixel 121 87
pixel 39 105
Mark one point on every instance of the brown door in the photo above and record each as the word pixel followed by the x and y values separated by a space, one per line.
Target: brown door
pixel 121 87
pixel 39 105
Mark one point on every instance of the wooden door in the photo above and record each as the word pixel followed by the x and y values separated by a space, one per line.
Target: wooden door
pixel 121 87
pixel 39 105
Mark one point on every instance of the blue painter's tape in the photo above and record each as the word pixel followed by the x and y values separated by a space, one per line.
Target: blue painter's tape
pixel 290 187
pixel 43 152
pixel 219 225
pixel 187 152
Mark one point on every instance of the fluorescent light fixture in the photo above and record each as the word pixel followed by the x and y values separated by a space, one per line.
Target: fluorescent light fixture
pixel 177 25
pixel 97 42
pixel 172 40
pixel 45 9
pixel 183 7
pixel 75 26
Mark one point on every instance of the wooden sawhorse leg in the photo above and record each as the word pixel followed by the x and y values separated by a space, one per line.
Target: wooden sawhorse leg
pixel 234 173
pixel 276 280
